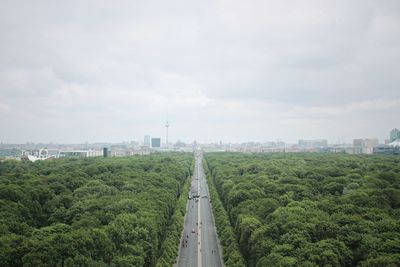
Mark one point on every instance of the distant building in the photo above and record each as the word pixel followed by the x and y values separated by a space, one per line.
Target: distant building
pixel 313 143
pixel 156 142
pixel 364 146
pixel 144 150
pixel 394 134
pixel 45 153
pixel 387 150
pixel 358 142
pixel 395 143
pixel 371 142
pixel 81 153
pixel 121 152
pixel 94 153
pixel 146 140
pixel 105 152
pixel 73 153
pixel 10 152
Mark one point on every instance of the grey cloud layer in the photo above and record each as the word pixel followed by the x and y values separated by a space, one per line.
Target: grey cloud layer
pixel 228 70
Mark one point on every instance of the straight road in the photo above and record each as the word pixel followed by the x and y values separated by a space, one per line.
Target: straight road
pixel 199 242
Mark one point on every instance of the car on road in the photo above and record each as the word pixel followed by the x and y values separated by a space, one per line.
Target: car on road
pixel 193 231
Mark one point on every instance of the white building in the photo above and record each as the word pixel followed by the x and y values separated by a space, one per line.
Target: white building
pixel 82 153
pixel 45 153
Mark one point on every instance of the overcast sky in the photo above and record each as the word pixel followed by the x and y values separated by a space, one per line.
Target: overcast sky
pixel 92 70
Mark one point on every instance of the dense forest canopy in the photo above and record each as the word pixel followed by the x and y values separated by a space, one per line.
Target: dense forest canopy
pixel 311 209
pixel 89 212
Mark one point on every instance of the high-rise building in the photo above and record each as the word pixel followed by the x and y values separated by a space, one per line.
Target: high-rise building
pixel 394 134
pixel 156 142
pixel 371 142
pixel 358 143
pixel 365 146
pixel 146 140
pixel 105 152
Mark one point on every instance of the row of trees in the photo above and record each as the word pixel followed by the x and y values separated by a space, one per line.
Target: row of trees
pixel 170 247
pixel 231 253
pixel 311 209
pixel 89 212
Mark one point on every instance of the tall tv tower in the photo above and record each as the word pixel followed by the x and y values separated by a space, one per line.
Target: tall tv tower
pixel 166 127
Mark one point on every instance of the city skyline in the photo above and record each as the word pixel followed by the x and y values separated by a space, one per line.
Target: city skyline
pixel 146 141
pixel 235 71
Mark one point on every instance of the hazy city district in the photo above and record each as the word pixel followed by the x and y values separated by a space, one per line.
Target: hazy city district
pixel 33 152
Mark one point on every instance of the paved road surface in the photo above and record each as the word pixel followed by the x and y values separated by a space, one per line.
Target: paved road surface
pixel 201 247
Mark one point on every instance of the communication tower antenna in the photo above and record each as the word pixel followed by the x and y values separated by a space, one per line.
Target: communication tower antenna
pixel 166 127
